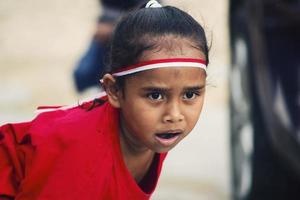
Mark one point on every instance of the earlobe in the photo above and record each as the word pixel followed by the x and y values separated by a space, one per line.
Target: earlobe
pixel 111 89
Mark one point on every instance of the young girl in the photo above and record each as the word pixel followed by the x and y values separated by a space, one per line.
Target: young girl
pixel 114 147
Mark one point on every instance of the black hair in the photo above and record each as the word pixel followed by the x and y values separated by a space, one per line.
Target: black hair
pixel 141 29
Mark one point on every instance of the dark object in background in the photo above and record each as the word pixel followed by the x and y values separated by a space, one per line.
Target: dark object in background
pixel 265 99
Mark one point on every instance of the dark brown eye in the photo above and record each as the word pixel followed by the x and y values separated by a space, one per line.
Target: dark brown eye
pixel 155 96
pixel 189 95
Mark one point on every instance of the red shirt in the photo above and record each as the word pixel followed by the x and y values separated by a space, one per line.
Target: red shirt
pixel 70 154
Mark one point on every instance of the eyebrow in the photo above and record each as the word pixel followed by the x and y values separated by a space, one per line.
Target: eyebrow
pixel 162 89
pixel 194 87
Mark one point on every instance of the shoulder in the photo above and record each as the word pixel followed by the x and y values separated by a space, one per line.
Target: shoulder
pixel 66 124
pixel 72 123
pixel 75 116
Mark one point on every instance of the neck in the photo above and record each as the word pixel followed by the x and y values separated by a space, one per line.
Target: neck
pixel 137 159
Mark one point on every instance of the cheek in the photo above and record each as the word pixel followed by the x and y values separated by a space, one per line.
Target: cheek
pixel 194 114
pixel 139 118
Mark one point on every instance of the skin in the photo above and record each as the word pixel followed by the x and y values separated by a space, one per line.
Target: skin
pixel 157 101
pixel 104 31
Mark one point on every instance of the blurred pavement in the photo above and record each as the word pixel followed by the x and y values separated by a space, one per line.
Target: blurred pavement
pixel 40 42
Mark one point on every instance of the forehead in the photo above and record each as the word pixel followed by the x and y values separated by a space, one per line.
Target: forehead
pixel 172 47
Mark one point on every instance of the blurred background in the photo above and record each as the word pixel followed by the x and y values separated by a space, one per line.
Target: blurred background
pixel 40 44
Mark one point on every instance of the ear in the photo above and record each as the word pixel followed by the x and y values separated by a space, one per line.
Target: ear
pixel 111 89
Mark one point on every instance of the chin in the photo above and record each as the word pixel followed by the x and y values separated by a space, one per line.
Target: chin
pixel 163 149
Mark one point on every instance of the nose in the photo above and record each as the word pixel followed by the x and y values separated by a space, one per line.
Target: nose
pixel 173 113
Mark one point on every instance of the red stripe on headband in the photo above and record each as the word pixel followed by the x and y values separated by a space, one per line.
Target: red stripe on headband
pixel 160 61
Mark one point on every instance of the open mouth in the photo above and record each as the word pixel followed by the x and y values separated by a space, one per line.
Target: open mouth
pixel 167 135
pixel 167 139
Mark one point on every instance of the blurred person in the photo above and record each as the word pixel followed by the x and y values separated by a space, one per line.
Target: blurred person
pixel 114 146
pixel 87 72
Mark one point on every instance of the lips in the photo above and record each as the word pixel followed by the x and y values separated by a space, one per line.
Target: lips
pixel 168 138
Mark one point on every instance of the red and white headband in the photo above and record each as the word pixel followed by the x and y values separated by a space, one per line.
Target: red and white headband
pixel 161 63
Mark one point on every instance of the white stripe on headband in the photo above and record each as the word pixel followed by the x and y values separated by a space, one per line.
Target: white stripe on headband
pixel 162 63
pixel 153 4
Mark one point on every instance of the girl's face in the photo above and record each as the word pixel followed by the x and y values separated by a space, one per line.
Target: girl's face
pixel 160 107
